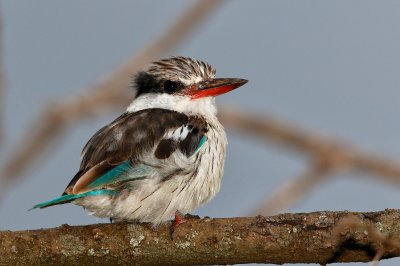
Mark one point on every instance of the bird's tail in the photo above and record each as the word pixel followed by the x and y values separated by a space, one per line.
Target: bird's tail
pixel 71 197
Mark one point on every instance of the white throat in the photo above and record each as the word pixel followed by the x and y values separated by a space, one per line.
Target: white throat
pixel 203 106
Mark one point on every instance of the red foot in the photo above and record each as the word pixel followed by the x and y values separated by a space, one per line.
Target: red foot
pixel 179 219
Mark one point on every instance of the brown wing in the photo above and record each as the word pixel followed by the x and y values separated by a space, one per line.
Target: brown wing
pixel 123 139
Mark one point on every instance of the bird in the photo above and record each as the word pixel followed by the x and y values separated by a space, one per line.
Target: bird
pixel 164 156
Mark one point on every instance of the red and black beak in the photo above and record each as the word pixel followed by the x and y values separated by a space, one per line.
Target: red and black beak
pixel 214 87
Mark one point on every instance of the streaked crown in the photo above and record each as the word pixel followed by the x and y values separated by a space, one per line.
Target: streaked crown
pixel 171 74
pixel 184 69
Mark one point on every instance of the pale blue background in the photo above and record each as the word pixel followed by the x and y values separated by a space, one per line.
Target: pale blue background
pixel 331 66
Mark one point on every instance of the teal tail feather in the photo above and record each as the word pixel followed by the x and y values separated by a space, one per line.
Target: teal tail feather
pixel 71 197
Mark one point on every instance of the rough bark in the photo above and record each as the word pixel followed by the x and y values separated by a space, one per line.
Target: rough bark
pixel 319 237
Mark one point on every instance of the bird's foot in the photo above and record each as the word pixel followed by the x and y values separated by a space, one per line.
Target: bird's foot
pixel 179 219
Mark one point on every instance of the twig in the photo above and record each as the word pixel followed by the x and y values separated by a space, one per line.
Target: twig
pixel 110 92
pixel 286 238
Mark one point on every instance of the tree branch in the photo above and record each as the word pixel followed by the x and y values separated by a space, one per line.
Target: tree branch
pixel 320 237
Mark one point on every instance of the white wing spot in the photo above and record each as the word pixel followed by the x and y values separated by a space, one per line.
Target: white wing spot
pixel 178 134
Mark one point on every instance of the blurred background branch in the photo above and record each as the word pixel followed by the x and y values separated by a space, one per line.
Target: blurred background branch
pixel 293 191
pixel 328 157
pixel 110 92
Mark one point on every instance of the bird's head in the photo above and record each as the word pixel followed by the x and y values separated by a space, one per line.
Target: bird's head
pixel 180 83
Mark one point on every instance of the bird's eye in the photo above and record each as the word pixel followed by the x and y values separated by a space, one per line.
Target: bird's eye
pixel 170 86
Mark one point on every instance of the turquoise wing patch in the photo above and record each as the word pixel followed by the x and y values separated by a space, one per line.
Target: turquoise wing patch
pixel 121 173
pixel 71 197
pixel 201 143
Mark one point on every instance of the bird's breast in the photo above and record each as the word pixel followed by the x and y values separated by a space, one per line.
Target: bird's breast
pixel 209 163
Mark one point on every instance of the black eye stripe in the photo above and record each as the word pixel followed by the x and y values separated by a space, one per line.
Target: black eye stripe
pixel 171 86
